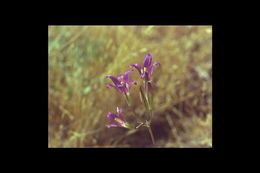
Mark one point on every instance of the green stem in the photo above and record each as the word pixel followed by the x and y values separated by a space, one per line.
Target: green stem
pixel 127 99
pixel 150 111
pixel 150 115
pixel 151 134
pixel 144 99
pixel 146 91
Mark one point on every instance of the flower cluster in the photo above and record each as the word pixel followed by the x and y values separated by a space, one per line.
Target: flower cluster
pixel 123 84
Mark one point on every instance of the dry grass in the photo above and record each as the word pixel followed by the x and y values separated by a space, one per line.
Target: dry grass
pixel 81 57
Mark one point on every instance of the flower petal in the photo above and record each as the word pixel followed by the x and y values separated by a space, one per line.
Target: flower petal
pixel 119 113
pixel 122 88
pixel 147 60
pixel 137 67
pixel 112 125
pixel 150 69
pixel 126 77
pixel 110 86
pixel 114 80
pixel 117 83
pixel 143 76
pixel 120 78
pixel 111 117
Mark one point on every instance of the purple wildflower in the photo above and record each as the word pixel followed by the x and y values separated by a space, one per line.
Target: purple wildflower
pixel 121 83
pixel 117 120
pixel 147 69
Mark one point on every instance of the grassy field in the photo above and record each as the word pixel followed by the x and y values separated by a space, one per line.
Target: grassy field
pixel 79 59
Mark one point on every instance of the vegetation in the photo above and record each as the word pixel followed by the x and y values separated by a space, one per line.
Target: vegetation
pixel 80 58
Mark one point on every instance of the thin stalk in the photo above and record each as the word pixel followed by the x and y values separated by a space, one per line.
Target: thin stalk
pixel 151 134
pixel 150 115
pixel 150 111
pixel 127 99
pixel 144 99
pixel 146 90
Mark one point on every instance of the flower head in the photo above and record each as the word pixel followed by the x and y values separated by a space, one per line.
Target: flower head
pixel 121 83
pixel 147 69
pixel 117 120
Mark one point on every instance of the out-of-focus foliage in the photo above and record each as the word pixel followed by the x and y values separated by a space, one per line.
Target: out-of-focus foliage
pixel 78 101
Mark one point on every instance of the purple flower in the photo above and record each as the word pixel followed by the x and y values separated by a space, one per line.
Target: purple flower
pixel 147 69
pixel 121 83
pixel 117 120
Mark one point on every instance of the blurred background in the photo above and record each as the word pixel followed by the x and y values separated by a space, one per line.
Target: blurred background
pixel 79 58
